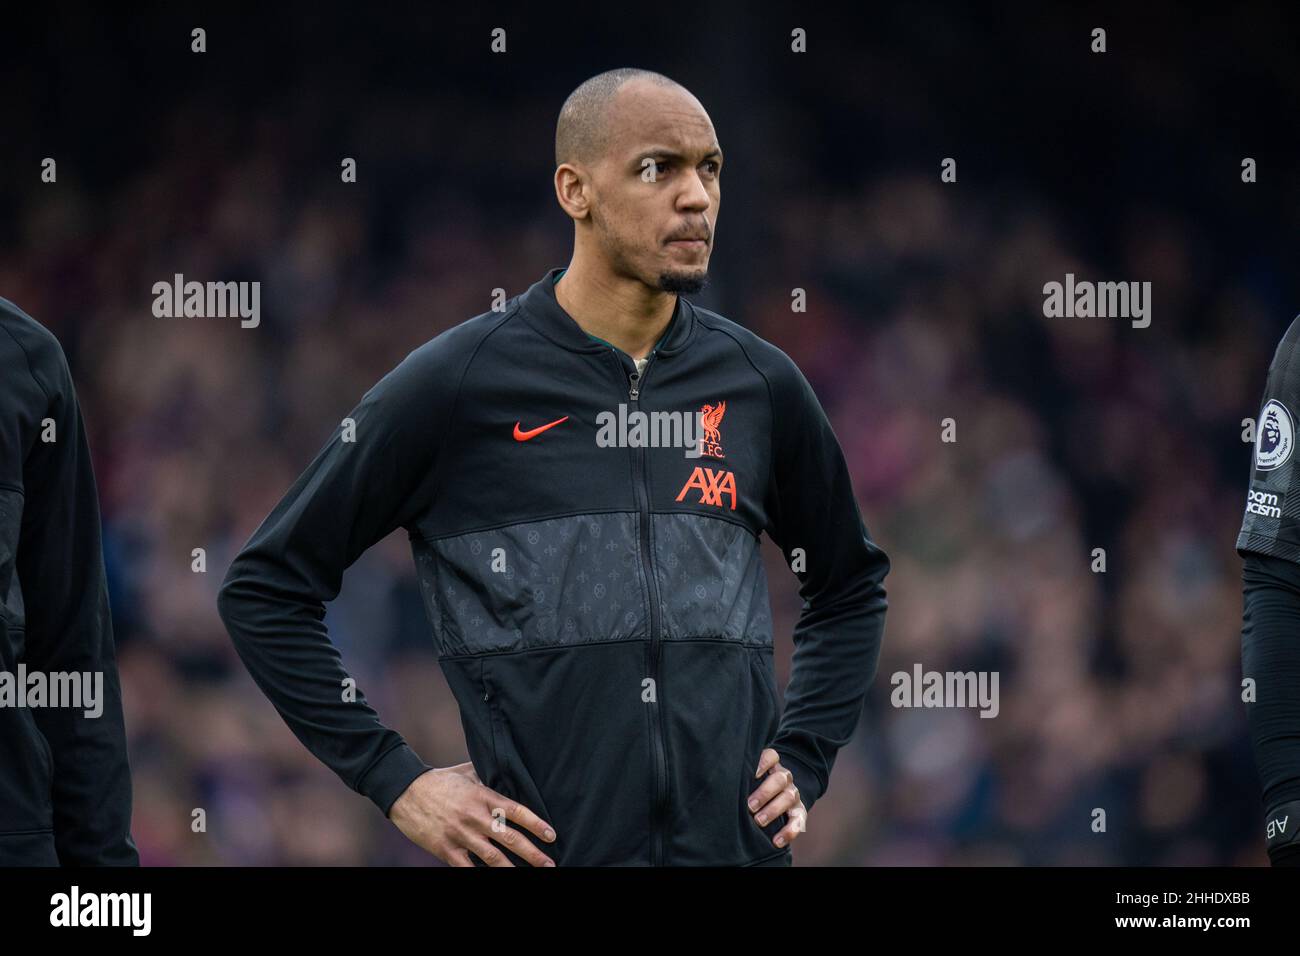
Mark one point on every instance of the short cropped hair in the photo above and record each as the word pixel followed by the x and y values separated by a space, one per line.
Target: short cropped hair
pixel 582 131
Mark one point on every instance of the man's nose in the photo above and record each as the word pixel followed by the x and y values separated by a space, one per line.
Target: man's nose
pixel 694 196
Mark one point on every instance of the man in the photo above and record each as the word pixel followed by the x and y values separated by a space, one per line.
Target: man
pixel 65 786
pixel 597 599
pixel 1269 545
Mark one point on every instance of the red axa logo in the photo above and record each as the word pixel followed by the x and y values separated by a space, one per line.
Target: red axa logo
pixel 712 485
pixel 711 421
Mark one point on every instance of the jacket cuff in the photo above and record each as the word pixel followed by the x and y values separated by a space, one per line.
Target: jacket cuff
pixel 388 778
pixel 810 789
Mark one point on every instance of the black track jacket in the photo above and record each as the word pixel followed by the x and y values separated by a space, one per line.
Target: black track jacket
pixel 65 785
pixel 599 609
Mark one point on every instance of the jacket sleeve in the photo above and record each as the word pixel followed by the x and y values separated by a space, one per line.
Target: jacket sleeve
pixel 373 476
pixel 1270 656
pixel 60 567
pixel 813 517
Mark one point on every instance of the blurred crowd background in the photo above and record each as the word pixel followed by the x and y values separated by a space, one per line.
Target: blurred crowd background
pixel 1119 690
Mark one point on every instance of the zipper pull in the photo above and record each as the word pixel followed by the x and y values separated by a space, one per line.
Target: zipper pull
pixel 634 391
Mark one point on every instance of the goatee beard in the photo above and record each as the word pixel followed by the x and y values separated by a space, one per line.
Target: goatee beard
pixel 688 282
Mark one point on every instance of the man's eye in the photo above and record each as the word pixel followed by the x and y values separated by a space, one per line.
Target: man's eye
pixel 661 168
pixel 713 166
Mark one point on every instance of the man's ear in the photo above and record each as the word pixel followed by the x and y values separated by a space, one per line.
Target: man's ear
pixel 573 190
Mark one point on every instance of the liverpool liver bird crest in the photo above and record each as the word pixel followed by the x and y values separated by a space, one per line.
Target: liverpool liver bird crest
pixel 711 418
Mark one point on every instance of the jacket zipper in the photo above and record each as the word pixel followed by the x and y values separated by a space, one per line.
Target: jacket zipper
pixel 636 381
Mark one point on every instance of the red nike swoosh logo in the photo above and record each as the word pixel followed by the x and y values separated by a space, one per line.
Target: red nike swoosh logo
pixel 521 435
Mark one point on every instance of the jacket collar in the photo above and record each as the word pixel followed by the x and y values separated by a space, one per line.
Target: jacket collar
pixel 543 311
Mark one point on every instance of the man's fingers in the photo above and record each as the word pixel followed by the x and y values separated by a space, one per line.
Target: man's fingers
pixel 452 816
pixel 766 761
pixel 488 852
pixel 516 812
pixel 784 801
pixel 502 813
pixel 459 857
pixel 518 843
pixel 790 832
pixel 776 783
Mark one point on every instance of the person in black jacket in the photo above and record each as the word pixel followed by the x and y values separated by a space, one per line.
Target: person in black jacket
pixel 1269 545
pixel 65 786
pixel 584 475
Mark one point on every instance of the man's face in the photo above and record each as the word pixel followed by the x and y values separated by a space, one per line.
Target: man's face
pixel 656 190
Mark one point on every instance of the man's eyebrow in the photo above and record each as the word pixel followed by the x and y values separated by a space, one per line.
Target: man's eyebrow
pixel 714 153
